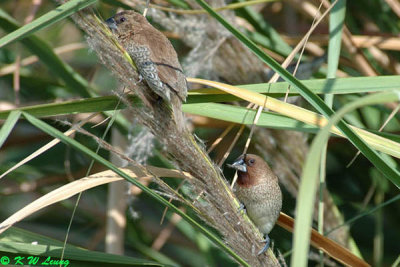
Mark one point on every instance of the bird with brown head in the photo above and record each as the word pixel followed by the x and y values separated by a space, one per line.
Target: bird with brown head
pixel 257 188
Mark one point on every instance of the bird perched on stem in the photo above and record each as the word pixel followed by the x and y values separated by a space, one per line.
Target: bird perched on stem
pixel 258 190
pixel 153 54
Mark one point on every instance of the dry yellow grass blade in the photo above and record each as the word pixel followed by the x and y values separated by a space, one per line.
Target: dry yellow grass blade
pixel 46 147
pixel 7 69
pixel 379 143
pixel 75 187
pixel 360 41
pixel 281 107
pixel 36 153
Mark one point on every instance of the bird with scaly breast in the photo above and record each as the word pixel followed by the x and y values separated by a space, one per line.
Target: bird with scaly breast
pixel 257 188
pixel 153 54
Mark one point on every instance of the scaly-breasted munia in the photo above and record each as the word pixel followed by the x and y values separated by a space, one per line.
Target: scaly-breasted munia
pixel 258 190
pixel 152 52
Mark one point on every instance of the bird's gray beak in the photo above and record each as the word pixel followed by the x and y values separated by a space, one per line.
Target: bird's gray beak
pixel 239 164
pixel 111 24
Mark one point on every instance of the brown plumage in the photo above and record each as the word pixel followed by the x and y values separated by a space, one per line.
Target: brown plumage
pixel 258 190
pixel 153 54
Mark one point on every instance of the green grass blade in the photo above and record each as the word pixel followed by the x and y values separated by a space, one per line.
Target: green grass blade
pixel 95 104
pixel 73 80
pixel 350 85
pixel 69 141
pixel 305 205
pixel 310 176
pixel 9 125
pixel 18 241
pixel 318 86
pixel 47 19
pixel 336 22
pixel 242 115
pixel 274 40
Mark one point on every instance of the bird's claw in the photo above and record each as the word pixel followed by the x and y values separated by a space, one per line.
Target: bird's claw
pixel 242 207
pixel 140 79
pixel 267 241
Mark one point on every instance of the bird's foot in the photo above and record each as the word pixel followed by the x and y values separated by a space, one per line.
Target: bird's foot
pixel 242 207
pixel 267 241
pixel 140 79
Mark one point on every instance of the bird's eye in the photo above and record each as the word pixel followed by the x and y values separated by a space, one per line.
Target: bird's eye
pixel 122 19
pixel 251 161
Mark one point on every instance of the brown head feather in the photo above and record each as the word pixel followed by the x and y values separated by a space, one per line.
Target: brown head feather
pixel 258 171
